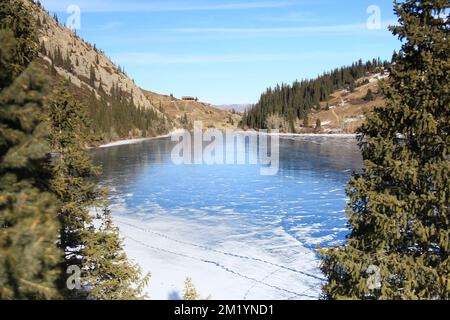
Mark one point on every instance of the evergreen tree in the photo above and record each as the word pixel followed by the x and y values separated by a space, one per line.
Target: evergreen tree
pixel 398 212
pixel 106 272
pixel 190 293
pixel 72 171
pixel 306 121
pixel 15 17
pixel 369 96
pixel 318 124
pixel 28 222
pixel 352 87
pixel 291 124
pixel 111 275
pixel 92 77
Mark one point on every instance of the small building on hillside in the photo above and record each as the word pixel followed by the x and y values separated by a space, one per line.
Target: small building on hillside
pixel 187 98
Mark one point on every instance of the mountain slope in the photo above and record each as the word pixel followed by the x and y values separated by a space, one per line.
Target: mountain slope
pixel 183 113
pixel 289 107
pixel 346 110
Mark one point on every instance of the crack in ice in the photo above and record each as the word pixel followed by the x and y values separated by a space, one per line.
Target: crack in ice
pixel 224 268
pixel 222 252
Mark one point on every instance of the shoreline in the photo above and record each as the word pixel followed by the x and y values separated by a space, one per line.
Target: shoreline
pixel 316 135
pixel 282 135
pixel 130 141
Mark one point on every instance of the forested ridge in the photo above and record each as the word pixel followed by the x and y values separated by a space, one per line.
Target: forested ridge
pixel 296 101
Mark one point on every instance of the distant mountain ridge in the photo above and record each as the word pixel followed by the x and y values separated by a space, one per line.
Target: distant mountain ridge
pixel 235 107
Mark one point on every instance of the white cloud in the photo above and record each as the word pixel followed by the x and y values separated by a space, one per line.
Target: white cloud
pixel 286 32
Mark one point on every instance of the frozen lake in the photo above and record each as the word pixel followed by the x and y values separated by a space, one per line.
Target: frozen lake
pixel 238 234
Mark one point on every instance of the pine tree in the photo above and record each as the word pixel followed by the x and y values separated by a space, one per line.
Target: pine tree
pixel 352 87
pixel 112 276
pixel 92 77
pixel 400 239
pixel 71 173
pixel 28 222
pixel 97 251
pixel 369 96
pixel 291 124
pixel 318 124
pixel 306 121
pixel 190 293
pixel 16 18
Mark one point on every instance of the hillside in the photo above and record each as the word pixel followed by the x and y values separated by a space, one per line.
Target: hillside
pixel 183 113
pixel 291 108
pixel 117 106
pixel 346 109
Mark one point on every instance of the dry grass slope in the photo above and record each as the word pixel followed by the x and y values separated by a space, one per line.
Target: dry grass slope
pixel 176 109
pixel 347 109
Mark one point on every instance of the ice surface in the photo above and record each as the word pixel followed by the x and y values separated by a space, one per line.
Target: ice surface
pixel 237 234
pixel 222 261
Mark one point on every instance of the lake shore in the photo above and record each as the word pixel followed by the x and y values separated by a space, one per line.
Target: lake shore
pixel 129 141
pixel 283 135
pixel 317 135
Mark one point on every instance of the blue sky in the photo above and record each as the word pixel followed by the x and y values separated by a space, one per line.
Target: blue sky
pixel 230 51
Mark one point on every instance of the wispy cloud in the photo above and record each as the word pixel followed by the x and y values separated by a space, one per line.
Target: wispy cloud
pixel 150 58
pixel 200 35
pixel 309 30
pixel 160 6
pixel 144 58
